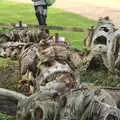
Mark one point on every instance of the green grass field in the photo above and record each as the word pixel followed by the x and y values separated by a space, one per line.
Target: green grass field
pixel 13 12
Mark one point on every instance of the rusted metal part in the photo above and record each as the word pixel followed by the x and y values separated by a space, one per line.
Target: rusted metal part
pixel 44 60
pixel 77 104
pixel 13 44
pixel 104 40
pixel 88 39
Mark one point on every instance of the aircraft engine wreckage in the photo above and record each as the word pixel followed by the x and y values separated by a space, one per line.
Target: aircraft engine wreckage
pixel 50 79
pixel 104 40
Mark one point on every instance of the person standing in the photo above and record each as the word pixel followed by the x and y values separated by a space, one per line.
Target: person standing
pixel 40 11
pixel 41 7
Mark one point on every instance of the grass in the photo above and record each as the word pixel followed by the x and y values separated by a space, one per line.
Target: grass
pixel 11 12
pixel 4 62
pixel 6 117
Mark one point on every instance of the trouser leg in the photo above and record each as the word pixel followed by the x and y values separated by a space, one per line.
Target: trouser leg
pixel 41 14
pixel 41 19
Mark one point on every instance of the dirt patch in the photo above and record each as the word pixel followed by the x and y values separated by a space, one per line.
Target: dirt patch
pixel 92 8
pixel 10 77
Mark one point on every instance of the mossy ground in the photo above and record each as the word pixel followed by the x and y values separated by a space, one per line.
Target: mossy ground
pixel 6 117
pixel 100 78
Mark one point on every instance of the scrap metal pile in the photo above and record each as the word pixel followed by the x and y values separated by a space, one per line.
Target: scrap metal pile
pixel 104 40
pixel 49 69
pixel 46 60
